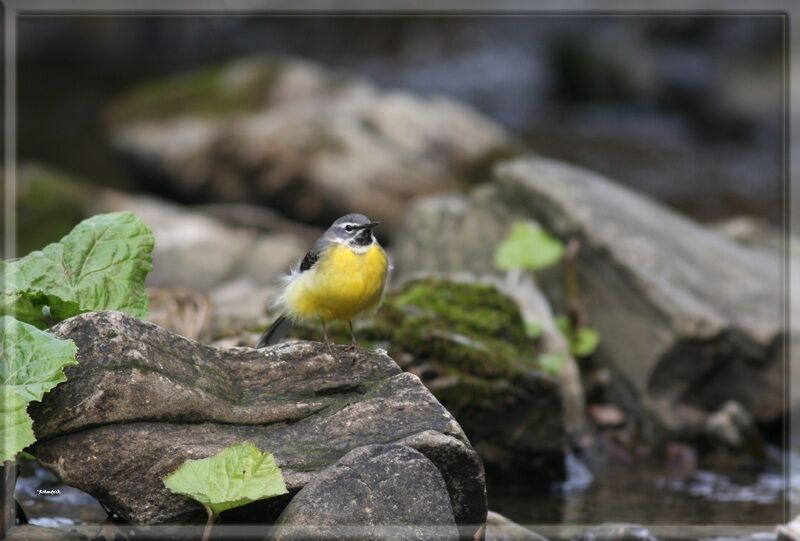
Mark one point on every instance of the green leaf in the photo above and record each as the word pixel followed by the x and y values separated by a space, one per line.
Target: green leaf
pixel 533 329
pixel 31 363
pixel 552 362
pixel 528 246
pixel 583 341
pixel 235 476
pixel 16 426
pixel 100 265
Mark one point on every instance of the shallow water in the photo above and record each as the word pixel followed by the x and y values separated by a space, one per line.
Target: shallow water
pixel 646 493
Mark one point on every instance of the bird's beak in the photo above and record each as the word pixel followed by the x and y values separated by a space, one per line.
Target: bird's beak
pixel 368 226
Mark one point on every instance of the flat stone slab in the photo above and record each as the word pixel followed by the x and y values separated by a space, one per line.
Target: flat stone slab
pixel 142 400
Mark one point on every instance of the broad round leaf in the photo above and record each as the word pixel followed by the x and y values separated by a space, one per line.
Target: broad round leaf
pixel 529 247
pixel 235 476
pixel 100 265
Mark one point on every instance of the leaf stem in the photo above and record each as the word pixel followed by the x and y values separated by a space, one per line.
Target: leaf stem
pixel 209 523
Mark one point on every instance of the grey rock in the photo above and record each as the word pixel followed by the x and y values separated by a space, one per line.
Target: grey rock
pixel 197 252
pixel 459 470
pixel 500 528
pixel 316 145
pixel 450 233
pixel 142 400
pixel 673 301
pixel 616 532
pixel 373 492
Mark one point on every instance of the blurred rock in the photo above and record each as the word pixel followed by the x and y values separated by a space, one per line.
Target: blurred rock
pixel 192 251
pixel 450 233
pixel 751 231
pixel 731 425
pixel 672 300
pixel 790 531
pixel 373 492
pixel 313 143
pixel 499 528
pixel 240 306
pixel 144 400
pixel 180 311
pixel 616 532
pixel 260 218
pixel 467 342
pixel 235 270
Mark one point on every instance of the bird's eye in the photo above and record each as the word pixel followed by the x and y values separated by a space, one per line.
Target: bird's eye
pixel 348 228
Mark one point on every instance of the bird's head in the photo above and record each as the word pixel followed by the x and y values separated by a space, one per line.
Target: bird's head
pixel 354 230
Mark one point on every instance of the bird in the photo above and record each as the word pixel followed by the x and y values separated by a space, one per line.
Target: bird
pixel 343 276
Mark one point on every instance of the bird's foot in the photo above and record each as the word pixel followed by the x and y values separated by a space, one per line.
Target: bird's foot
pixel 329 345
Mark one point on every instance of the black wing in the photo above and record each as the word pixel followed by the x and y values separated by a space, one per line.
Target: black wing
pixel 275 332
pixel 309 260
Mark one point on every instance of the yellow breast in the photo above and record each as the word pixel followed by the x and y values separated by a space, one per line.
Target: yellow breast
pixel 340 286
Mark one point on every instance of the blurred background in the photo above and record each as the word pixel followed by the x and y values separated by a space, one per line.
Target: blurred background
pixel 238 139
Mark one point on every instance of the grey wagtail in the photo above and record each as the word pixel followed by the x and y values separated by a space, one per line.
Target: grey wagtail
pixel 341 277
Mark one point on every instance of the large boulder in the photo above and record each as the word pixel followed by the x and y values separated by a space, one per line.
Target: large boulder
pixel 294 136
pixel 373 492
pixel 674 302
pixel 142 400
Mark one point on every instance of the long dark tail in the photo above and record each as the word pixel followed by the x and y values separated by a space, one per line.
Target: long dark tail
pixel 275 332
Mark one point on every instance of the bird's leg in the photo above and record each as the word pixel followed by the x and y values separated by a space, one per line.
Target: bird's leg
pixel 353 345
pixel 327 338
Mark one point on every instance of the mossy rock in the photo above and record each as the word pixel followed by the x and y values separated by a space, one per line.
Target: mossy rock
pixel 461 328
pixel 211 91
pixel 467 343
pixel 49 204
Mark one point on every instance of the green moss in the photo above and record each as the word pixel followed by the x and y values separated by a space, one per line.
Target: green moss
pixel 470 335
pixel 462 327
pixel 210 91
pixel 49 205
